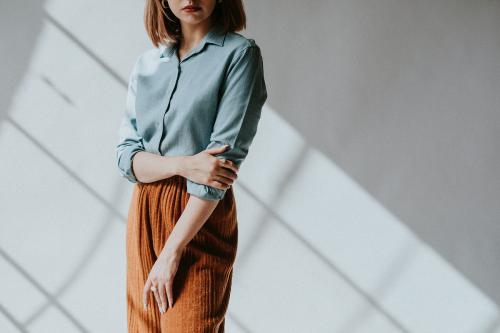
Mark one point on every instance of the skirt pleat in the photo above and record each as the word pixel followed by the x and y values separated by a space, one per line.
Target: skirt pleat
pixel 202 284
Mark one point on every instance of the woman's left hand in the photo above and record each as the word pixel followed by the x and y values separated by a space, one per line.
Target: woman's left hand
pixel 161 278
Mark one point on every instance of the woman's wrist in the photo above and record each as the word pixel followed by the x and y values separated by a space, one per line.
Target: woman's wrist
pixel 181 166
pixel 175 165
pixel 171 247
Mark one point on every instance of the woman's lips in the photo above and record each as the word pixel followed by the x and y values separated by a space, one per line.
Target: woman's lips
pixel 191 8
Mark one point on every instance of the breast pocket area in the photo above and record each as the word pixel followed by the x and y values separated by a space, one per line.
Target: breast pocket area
pixel 151 103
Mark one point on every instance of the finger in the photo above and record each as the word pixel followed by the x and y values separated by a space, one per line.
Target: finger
pixel 219 185
pixel 223 180
pixel 227 173
pixel 216 150
pixel 233 164
pixel 228 164
pixel 157 297
pixel 170 294
pixel 163 298
pixel 145 294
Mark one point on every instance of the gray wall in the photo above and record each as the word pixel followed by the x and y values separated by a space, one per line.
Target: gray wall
pixel 405 97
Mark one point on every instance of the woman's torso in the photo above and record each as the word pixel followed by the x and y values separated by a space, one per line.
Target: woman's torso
pixel 176 102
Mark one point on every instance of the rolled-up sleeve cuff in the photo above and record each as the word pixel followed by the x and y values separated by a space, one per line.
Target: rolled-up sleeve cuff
pixel 204 191
pixel 125 163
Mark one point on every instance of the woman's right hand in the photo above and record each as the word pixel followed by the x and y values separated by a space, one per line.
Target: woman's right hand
pixel 204 168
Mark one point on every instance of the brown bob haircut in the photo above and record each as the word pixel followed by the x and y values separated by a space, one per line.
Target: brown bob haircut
pixel 163 26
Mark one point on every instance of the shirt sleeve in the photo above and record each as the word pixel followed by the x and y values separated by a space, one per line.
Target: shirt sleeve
pixel 129 141
pixel 243 96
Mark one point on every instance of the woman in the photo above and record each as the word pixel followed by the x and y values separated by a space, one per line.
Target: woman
pixel 193 105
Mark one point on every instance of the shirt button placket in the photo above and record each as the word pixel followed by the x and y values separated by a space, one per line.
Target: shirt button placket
pixel 170 91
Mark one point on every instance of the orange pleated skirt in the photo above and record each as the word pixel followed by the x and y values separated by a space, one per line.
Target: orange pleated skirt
pixel 202 284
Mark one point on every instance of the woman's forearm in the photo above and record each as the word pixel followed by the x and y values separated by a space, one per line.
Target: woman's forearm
pixel 149 167
pixel 195 214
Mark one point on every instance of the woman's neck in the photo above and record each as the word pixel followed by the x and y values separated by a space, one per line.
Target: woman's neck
pixel 192 34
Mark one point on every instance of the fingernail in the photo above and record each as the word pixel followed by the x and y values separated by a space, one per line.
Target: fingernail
pixel 145 306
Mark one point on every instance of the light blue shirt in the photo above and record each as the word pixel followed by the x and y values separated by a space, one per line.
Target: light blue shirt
pixel 213 96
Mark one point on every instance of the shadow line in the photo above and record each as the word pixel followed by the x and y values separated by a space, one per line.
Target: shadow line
pixel 238 323
pixel 80 264
pixel 42 290
pixel 12 320
pixel 270 214
pixel 66 169
pixel 85 49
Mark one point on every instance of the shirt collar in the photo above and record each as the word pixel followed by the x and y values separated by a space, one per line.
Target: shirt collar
pixel 214 36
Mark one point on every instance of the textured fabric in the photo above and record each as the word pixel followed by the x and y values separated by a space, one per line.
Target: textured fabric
pixel 202 283
pixel 177 107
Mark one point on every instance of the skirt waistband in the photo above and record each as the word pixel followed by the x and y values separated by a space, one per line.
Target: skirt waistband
pixel 178 183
